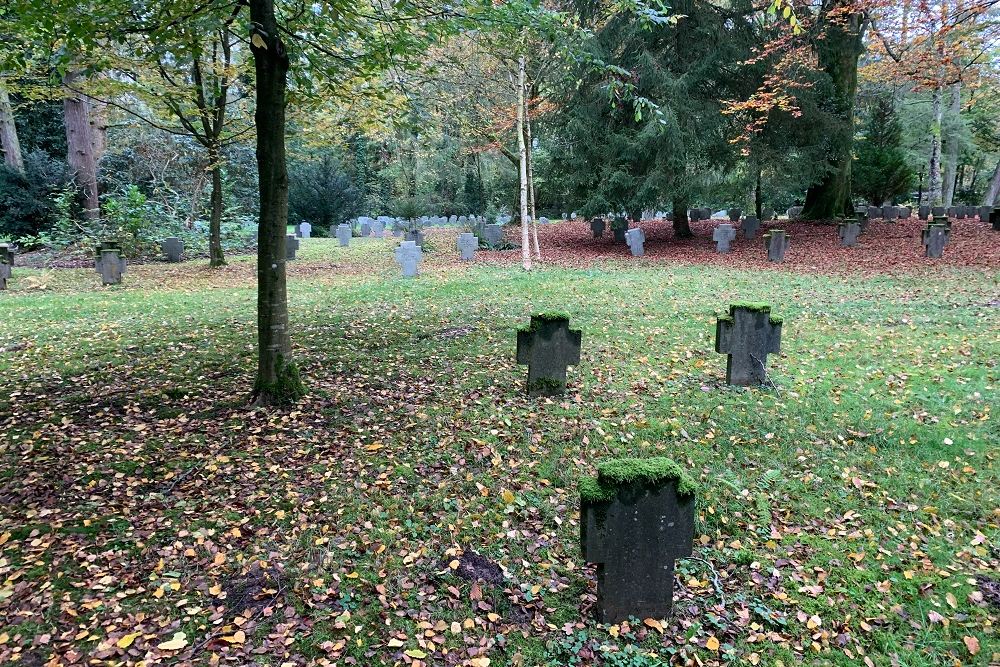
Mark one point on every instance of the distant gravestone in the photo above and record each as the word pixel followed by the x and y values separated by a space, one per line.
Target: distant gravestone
pixel 543 220
pixel 889 213
pixel 415 235
pixel 618 228
pixel 874 212
pixel 735 214
pixel 344 234
pixel 747 335
pixel 467 245
pixel 408 256
pixel 291 246
pixel 723 237
pixel 597 226
pixel 636 519
pixel 767 215
pixel 452 219
pixel 862 216
pixel 905 212
pixel 7 252
pixel 934 238
pixel 984 213
pixel 694 215
pixel 304 230
pixel 848 231
pixel 749 227
pixel 492 235
pixel 548 346
pixel 942 220
pixel 924 212
pixel 378 229
pixel 173 248
pixel 635 239
pixel 365 229
pixel 995 219
pixel 5 271
pixel 794 212
pixel 776 242
pixel 938 211
pixel 110 264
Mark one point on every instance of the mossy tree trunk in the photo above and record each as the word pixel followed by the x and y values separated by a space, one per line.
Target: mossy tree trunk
pixel 682 227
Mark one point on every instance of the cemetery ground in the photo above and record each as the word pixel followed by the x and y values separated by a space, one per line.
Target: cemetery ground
pixel 417 508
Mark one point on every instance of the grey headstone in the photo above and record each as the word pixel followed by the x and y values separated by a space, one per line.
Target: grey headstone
pixel 291 246
pixel 618 228
pixel 493 235
pixel 889 213
pixel 344 234
pixel 848 231
pixel 694 215
pixel 7 251
pixel 173 248
pixel 938 211
pixel 467 245
pixel 924 212
pixel 904 212
pixel 874 212
pixel 735 214
pixel 794 212
pixel 543 221
pixel 408 256
pixel 934 238
pixel 748 334
pixel 767 215
pixel 378 229
pixel 111 265
pixel 304 230
pixel 463 220
pixel 776 242
pixel 984 213
pixel 597 227
pixel 548 346
pixel 415 236
pixel 995 219
pixel 634 537
pixel 723 237
pixel 863 221
pixel 5 271
pixel 749 227
pixel 635 239
pixel 365 229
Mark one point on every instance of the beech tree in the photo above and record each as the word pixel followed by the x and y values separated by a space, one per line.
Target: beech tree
pixel 9 144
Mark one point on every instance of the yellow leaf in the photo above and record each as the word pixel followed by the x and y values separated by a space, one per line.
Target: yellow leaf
pixel 258 41
pixel 456 628
pixel 614 631
pixel 479 662
pixel 416 653
pixel 219 559
pixel 972 644
pixel 653 623
pixel 215 590
pixel 395 643
pixel 712 644
pixel 158 593
pixel 508 497
pixel 814 622
pixel 908 574
pixel 454 564
pixel 178 642
pixel 352 575
pixel 127 640
pixel 373 447
pixel 952 602
pixel 237 637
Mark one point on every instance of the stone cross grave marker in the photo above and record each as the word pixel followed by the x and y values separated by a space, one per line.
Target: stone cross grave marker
pixel 467 245
pixel 636 519
pixel 848 231
pixel 7 252
pixel 304 230
pixel 291 246
pixel 172 248
pixel 5 271
pixel 749 227
pixel 889 213
pixel 110 264
pixel 747 335
pixel 635 239
pixel 924 212
pixel 548 346
pixel 408 256
pixel 776 242
pixel 938 211
pixel 723 237
pixel 934 238
pixel 415 235
pixel 493 234
pixel 597 227
pixel 344 234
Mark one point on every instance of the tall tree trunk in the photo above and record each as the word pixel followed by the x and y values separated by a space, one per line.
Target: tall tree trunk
pixel 934 187
pixel 278 379
pixel 758 194
pixel 992 196
pixel 9 144
pixel 682 227
pixel 838 51
pixel 531 182
pixel 952 153
pixel 80 144
pixel 523 170
pixel 215 256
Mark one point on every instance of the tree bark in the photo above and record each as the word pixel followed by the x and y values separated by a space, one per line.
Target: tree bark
pixel 529 160
pixel 80 144
pixel 838 51
pixel 992 196
pixel 682 227
pixel 9 144
pixel 523 170
pixel 215 256
pixel 934 187
pixel 758 194
pixel 952 154
pixel 277 377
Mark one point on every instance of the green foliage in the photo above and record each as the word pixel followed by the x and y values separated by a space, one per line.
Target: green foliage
pixel 881 172
pixel 614 473
pixel 25 199
pixel 321 193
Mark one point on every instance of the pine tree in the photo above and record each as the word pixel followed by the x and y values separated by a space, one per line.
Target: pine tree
pixel 881 171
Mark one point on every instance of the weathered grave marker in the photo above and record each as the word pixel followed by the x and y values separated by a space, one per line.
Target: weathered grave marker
pixel 304 230
pixel 5 271
pixel 618 227
pixel 889 213
pixel 467 245
pixel 735 214
pixel 848 231
pixel 794 212
pixel 365 229
pixel 924 212
pixel 597 226
pixel 635 239
pixel 776 241
pixel 291 246
pixel 548 346
pixel 7 251
pixel 344 234
pixel 378 229
pixel 749 227
pixel 995 219
pixel 747 335
pixel 108 262
pixel 492 235
pixel 408 256
pixel 636 519
pixel 938 211
pixel 723 237
pixel 173 248
pixel 767 215
pixel 934 238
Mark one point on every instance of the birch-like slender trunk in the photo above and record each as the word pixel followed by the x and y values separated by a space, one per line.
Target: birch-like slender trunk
pixel 523 169
pixel 934 188
pixel 9 144
pixel 952 153
pixel 531 181
pixel 992 197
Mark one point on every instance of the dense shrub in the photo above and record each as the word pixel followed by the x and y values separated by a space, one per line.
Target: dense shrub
pixel 26 199
pixel 881 172
pixel 321 193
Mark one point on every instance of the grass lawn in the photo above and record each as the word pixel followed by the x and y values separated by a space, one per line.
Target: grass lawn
pixel 146 514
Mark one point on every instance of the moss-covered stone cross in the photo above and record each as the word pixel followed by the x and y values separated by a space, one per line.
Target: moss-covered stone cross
pixel 747 334
pixel 548 346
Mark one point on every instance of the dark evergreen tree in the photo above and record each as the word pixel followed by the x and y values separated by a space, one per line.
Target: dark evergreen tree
pixel 881 172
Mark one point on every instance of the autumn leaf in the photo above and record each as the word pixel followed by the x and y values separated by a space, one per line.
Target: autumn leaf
pixel 972 644
pixel 127 640
pixel 712 644
pixel 416 653
pixel 653 623
pixel 508 497
pixel 176 643
pixel 237 637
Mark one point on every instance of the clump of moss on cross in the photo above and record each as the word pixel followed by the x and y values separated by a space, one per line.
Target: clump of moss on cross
pixel 615 473
pixel 753 307
pixel 538 318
